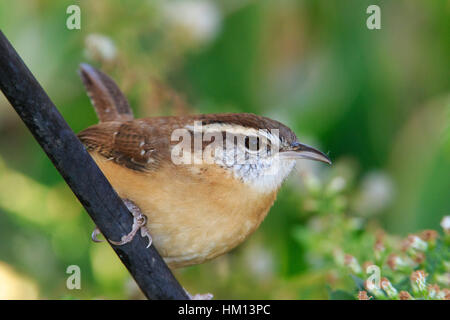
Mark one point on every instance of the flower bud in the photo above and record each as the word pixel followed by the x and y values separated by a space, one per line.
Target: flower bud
pixel 419 280
pixel 387 286
pixel 414 243
pixel 404 295
pixel 445 224
pixel 433 291
pixel 374 288
pixel 362 295
pixel 351 262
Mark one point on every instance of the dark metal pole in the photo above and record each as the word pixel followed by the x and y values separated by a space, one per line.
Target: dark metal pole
pixel 82 175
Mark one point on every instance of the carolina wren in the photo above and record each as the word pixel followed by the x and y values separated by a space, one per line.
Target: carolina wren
pixel 193 211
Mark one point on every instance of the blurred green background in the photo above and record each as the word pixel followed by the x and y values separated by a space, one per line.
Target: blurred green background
pixel 376 100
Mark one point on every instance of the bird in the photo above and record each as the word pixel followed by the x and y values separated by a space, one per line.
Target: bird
pixel 197 185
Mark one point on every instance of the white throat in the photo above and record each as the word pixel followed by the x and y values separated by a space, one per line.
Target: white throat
pixel 265 176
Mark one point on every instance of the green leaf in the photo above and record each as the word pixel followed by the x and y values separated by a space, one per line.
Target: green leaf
pixel 341 295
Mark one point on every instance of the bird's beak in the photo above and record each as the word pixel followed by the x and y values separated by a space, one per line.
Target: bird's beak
pixel 303 151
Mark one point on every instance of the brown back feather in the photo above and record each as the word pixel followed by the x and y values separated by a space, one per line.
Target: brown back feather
pixel 142 144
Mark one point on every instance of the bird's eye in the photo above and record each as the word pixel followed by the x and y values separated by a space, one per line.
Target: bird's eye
pixel 252 143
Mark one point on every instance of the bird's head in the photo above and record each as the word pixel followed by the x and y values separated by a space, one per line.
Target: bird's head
pixel 258 150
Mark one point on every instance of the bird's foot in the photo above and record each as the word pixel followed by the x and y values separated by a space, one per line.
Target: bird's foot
pixel 139 223
pixel 205 296
pixel 95 234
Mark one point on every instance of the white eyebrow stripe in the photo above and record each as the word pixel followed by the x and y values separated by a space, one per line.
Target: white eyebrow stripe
pixel 234 129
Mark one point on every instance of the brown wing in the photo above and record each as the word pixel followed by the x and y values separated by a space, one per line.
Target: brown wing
pixel 133 144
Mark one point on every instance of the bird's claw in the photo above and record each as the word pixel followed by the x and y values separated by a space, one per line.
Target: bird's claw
pixel 94 235
pixel 139 222
pixel 198 296
pixel 146 233
pixel 205 296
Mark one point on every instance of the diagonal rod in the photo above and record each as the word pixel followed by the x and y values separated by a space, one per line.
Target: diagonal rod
pixel 82 175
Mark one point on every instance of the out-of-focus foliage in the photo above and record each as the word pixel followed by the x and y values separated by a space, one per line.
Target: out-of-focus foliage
pixel 359 256
pixel 376 100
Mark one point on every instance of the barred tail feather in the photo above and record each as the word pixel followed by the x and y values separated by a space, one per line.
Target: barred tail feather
pixel 109 102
